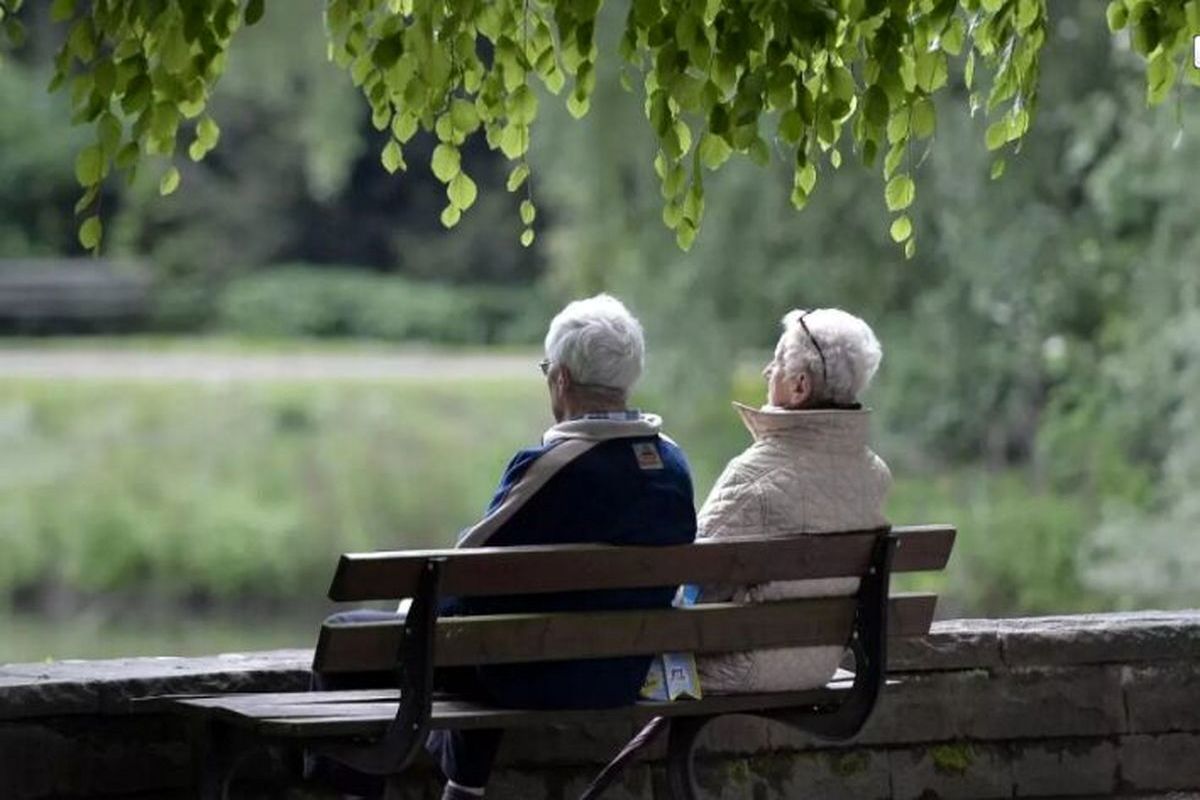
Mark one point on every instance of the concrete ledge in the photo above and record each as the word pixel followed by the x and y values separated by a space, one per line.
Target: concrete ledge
pixel 1091 706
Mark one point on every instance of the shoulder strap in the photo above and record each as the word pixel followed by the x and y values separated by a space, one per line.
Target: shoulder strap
pixel 539 472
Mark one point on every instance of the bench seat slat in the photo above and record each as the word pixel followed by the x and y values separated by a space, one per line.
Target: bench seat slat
pixel 515 638
pixel 328 718
pixel 556 568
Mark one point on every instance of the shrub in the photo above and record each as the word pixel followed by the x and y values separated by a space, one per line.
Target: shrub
pixel 336 302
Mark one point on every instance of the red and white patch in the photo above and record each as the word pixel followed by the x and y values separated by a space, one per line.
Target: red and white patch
pixel 647 455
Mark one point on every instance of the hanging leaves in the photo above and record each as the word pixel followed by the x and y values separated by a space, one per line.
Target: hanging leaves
pixel 809 82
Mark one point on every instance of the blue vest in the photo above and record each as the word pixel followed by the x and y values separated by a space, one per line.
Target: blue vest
pixel 625 491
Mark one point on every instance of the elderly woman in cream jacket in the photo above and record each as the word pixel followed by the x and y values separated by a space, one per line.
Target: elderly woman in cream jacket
pixel 809 471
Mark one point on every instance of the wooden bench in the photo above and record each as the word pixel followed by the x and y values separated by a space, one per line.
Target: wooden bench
pixel 381 731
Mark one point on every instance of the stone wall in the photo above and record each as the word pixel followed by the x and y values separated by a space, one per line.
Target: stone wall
pixel 1097 706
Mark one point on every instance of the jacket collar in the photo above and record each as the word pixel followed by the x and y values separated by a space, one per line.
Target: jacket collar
pixel 600 427
pixel 829 429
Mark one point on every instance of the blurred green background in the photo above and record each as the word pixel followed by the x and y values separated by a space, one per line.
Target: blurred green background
pixel 1040 385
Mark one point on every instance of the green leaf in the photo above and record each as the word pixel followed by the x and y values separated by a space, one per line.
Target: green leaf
pixel 462 191
pixel 685 236
pixel 1160 76
pixel 997 168
pixel 109 130
pixel 528 212
pixel 446 162
pixel 898 125
pixel 806 178
pixel 714 150
pixel 208 133
pixel 901 228
pixel 931 71
pixel 169 182
pixel 1027 14
pixel 1117 15
pixel 522 105
pixel 90 233
pixel 517 177
pixel 393 157
pixel 910 248
pixel 527 237
pixel 464 116
pixel 791 127
pixel 62 10
pixel 450 216
pixel 997 134
pixel 514 141
pixel 969 70
pixel 388 51
pixel 876 107
pixel 924 118
pixel 254 11
pixel 899 193
pixel 127 156
pixel 895 155
pixel 89 197
pixel 404 125
pixel 90 165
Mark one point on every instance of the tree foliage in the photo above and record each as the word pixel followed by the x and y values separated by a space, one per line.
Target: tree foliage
pixel 810 82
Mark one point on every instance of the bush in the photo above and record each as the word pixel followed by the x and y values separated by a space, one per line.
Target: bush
pixel 334 302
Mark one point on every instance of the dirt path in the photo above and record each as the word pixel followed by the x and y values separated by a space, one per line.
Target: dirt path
pixel 101 364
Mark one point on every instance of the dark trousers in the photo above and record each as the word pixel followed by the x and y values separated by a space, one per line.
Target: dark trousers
pixel 465 757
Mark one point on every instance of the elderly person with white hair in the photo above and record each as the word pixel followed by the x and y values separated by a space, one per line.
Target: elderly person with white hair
pixel 809 471
pixel 604 474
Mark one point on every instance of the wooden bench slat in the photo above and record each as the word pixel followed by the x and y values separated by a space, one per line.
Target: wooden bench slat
pixel 328 718
pixel 515 638
pixel 557 568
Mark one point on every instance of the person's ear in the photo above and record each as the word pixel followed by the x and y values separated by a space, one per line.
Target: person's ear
pixel 801 391
pixel 563 378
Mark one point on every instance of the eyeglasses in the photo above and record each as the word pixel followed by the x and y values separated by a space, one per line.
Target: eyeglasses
pixel 544 366
pixel 813 339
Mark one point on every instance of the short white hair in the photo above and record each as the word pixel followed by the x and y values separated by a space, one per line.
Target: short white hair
pixel 599 342
pixel 852 353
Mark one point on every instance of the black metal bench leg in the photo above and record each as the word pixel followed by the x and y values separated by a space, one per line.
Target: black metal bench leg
pixel 681 762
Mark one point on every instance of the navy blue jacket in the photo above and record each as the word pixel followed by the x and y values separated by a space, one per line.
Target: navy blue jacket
pixel 624 490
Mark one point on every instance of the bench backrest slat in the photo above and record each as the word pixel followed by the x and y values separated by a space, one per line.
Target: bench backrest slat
pixel 513 638
pixel 530 570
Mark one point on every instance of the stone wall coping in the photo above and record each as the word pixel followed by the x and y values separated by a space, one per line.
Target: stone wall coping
pixel 71 687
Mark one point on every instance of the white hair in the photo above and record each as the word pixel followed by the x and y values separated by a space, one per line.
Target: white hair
pixel 852 353
pixel 599 342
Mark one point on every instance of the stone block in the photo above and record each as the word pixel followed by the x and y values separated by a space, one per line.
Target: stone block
pixel 83 757
pixel 1040 703
pixel 924 707
pixel 1064 768
pixel 832 775
pixel 952 644
pixel 1101 638
pixel 954 771
pixel 1163 698
pixel 1163 762
pixel 86 687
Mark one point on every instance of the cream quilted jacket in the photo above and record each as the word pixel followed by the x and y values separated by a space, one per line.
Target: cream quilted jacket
pixel 807 472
